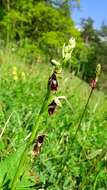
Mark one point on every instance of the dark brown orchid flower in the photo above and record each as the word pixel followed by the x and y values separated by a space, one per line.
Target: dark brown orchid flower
pixel 38 144
pixel 52 107
pixel 53 83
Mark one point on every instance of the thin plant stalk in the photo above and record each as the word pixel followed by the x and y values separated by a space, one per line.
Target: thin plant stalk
pixel 35 129
pixel 81 118
pixel 30 141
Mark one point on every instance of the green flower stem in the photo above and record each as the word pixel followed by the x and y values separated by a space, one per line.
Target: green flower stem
pixel 35 129
pixel 27 146
pixel 83 113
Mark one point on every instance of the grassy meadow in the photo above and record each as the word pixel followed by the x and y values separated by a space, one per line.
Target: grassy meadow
pixel 62 164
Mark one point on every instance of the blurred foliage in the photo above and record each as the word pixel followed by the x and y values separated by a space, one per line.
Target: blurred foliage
pixel 38 29
pixel 46 26
pixel 96 42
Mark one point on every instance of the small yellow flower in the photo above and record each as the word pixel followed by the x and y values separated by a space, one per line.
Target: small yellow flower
pixel 14 73
pixel 14 70
pixel 15 77
pixel 23 76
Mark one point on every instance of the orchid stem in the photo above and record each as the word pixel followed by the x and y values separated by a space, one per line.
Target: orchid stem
pixel 32 138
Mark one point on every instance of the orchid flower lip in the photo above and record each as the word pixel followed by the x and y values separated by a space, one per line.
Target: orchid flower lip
pixel 53 83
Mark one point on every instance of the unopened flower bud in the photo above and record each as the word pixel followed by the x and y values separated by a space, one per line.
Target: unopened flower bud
pixel 55 63
pixel 93 83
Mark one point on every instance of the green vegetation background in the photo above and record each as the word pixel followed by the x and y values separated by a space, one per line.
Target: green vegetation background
pixel 38 29
pixel 32 33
